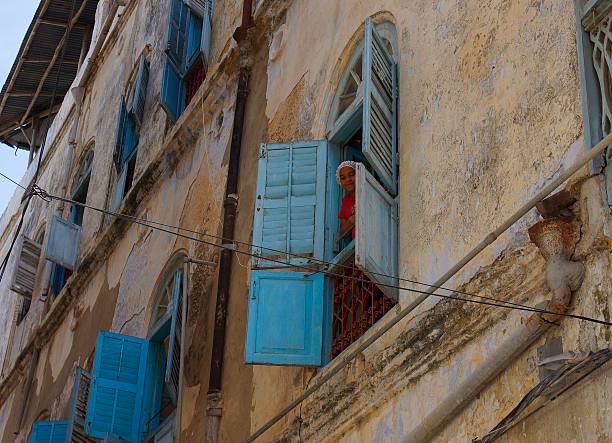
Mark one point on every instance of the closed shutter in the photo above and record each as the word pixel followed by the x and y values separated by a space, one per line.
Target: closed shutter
pixel 380 107
pixel 49 432
pixel 117 387
pixel 207 30
pixel 63 242
pixel 173 95
pixel 139 94
pixel 285 319
pixel 376 242
pixel 173 364
pixel 120 135
pixel 194 39
pixel 24 278
pixel 78 408
pixel 290 203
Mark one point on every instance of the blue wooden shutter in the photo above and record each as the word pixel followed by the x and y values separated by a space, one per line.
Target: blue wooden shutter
pixel 49 432
pixel 376 223
pixel 120 134
pixel 290 203
pixel 593 38
pixel 117 387
pixel 78 408
pixel 177 32
pixel 194 38
pixel 207 31
pixel 63 242
pixel 172 96
pixel 130 142
pixel 380 107
pixel 139 93
pixel 173 364
pixel 285 318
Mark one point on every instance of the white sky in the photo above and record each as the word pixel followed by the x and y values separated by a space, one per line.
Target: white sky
pixel 17 16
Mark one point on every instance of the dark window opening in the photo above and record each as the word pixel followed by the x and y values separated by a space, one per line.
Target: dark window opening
pixel 24 309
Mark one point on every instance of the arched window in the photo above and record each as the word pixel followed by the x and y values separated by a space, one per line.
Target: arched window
pixel 165 337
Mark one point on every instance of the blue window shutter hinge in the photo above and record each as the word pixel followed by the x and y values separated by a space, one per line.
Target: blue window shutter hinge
pixel 262 152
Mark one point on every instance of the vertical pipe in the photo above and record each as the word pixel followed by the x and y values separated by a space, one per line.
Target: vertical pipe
pixel 229 221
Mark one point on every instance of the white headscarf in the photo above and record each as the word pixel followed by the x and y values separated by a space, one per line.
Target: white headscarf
pixel 347 163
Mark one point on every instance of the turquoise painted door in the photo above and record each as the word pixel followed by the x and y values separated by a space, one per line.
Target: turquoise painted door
pixel 117 388
pixel 285 319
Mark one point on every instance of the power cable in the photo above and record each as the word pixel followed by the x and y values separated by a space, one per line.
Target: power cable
pixel 147 223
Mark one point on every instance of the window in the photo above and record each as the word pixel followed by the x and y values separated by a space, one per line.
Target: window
pixel 594 37
pixel 48 432
pixel 80 188
pixel 187 53
pixel 296 317
pixel 130 119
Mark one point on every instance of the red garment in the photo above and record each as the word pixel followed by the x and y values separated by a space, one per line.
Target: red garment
pixel 347 209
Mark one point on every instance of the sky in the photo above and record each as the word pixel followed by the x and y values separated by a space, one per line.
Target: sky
pixel 17 16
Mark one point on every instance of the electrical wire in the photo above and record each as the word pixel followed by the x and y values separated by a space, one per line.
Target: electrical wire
pixel 147 223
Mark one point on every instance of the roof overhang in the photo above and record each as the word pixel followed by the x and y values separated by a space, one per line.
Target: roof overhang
pixel 41 76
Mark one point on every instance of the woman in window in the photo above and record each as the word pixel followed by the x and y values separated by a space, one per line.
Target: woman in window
pixel 345 176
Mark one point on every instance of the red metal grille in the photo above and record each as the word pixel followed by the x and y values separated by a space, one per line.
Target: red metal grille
pixel 358 304
pixel 193 81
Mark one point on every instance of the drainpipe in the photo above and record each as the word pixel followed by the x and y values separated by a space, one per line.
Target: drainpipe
pixel 556 238
pixel 215 408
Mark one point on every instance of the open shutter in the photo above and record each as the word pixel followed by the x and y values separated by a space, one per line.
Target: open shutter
pixel 63 242
pixel 24 278
pixel 49 432
pixel 593 38
pixel 290 204
pixel 117 387
pixel 139 94
pixel 285 318
pixel 194 39
pixel 78 408
pixel 172 96
pixel 376 242
pixel 207 30
pixel 120 135
pixel 119 190
pixel 380 107
pixel 177 30
pixel 173 364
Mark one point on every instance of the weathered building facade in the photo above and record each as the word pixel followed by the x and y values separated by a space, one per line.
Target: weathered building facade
pixel 204 287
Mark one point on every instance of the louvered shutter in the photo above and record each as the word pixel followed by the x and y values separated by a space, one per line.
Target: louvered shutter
pixel 78 408
pixel 376 223
pixel 115 402
pixel 130 142
pixel 173 95
pixel 173 364
pixel 380 108
pixel 177 31
pixel 207 30
pixel 593 38
pixel 290 203
pixel 120 135
pixel 139 94
pixel 49 432
pixel 63 242
pixel 285 319
pixel 24 278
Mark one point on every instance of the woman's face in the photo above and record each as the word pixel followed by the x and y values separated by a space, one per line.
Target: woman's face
pixel 347 179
